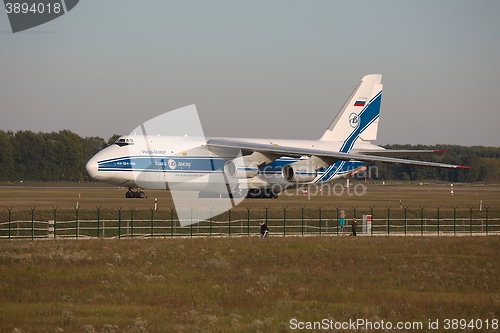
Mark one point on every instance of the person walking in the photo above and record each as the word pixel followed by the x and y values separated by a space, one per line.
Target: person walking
pixel 264 230
pixel 342 220
pixel 354 225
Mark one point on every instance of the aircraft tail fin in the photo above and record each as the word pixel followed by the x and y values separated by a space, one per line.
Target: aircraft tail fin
pixel 358 118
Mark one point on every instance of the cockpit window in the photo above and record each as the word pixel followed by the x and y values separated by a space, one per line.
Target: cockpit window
pixel 124 142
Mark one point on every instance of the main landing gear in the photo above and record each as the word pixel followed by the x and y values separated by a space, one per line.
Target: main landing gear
pixel 135 194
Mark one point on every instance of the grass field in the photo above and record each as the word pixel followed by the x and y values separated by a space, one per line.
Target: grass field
pixel 243 284
pixel 65 196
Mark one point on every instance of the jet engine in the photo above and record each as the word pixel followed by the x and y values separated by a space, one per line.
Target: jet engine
pixel 303 171
pixel 238 169
pixel 247 166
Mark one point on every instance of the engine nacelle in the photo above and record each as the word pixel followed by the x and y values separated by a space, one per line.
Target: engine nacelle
pixel 303 171
pixel 298 173
pixel 237 169
pixel 247 166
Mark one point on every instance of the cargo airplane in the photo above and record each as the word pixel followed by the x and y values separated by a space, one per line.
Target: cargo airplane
pixel 254 167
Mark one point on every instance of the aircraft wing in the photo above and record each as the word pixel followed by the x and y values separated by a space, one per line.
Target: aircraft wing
pixel 297 152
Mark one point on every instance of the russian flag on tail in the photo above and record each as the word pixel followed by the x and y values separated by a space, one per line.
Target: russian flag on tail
pixel 360 102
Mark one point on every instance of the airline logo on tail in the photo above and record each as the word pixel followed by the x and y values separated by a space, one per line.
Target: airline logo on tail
pixel 354 120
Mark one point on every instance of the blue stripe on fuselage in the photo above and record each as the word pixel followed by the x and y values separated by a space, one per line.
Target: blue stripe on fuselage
pixel 163 163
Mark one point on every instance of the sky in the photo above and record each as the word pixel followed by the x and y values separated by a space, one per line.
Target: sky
pixel 272 69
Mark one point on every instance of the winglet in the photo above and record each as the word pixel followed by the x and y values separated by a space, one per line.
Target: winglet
pixel 463 167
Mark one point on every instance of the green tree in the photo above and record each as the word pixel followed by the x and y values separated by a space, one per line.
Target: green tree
pixel 112 139
pixel 6 156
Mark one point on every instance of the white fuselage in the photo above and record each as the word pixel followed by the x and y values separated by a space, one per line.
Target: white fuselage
pixel 163 162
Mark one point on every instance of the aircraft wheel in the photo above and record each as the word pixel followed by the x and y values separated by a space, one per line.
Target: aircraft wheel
pixel 141 194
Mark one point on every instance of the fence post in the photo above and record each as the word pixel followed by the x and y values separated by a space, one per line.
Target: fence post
pixel 55 220
pixel 455 220
pixel 152 221
pixel 10 216
pixel 229 217
pixel 487 208
pixel 32 222
pixel 439 219
pixel 103 228
pixel 373 220
pixel 191 220
pixel 320 208
pixel 337 208
pixel 405 208
pixel 119 222
pixel 77 232
pixel 284 220
pixel 211 220
pixel 302 208
pixel 248 220
pixel 388 220
pixel 470 222
pixel 98 223
pixel 132 222
pixel 172 221
pixel 422 221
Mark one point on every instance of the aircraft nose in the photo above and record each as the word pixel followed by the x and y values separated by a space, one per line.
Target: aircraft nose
pixel 91 167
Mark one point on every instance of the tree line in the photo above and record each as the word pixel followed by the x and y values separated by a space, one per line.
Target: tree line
pixel 61 156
